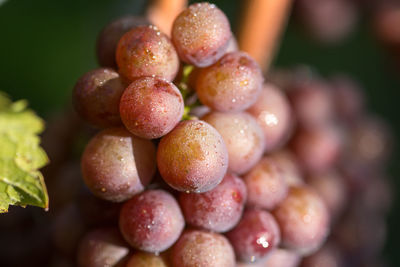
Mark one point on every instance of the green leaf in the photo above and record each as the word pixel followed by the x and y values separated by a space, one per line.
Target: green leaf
pixel 21 156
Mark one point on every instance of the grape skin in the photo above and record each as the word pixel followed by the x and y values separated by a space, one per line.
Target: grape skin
pixel 303 219
pixel 265 184
pixel 256 235
pixel 243 137
pixel 143 259
pixel 233 83
pixel 151 221
pixel 288 166
pixel 217 210
pixel 151 107
pixel 202 249
pixel 109 37
pixel 117 165
pixel 201 34
pixel 102 247
pixel 96 97
pixel 273 113
pixel 145 51
pixel 192 157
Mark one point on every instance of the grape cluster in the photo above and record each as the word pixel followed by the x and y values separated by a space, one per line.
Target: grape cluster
pixel 200 162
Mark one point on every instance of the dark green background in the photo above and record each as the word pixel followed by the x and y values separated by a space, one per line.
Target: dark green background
pixel 46 45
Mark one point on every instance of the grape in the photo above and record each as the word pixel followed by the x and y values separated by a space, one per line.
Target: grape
pixel 386 23
pixel 332 189
pixel 233 83
pixel 143 259
pixel 202 249
pixel 348 98
pixel 265 184
pixel 327 256
pixel 102 247
pixel 192 157
pixel 145 51
pixel 283 258
pixel 312 102
pixel 108 38
pixel 317 148
pixel 273 113
pixel 201 34
pixel 303 219
pixel 243 137
pixel 288 166
pixel 96 97
pixel 151 107
pixel 376 196
pixel 151 221
pixel 217 210
pixel 256 235
pixel 117 165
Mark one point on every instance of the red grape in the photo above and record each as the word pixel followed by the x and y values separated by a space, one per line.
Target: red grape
pixel 96 97
pixel 192 157
pixel 102 247
pixel 273 113
pixel 256 235
pixel 303 219
pixel 243 138
pixel 266 185
pixel 151 221
pixel 233 83
pixel 151 107
pixel 202 249
pixel 117 165
pixel 217 210
pixel 201 34
pixel 145 51
pixel 109 37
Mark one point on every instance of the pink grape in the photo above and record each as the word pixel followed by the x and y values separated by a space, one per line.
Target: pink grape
pixel 281 257
pixel 192 157
pixel 96 97
pixel 151 221
pixel 145 51
pixel 233 83
pixel 217 210
pixel 243 137
pixel 201 34
pixel 202 249
pixel 256 235
pixel 288 166
pixel 151 107
pixel 116 165
pixel 265 184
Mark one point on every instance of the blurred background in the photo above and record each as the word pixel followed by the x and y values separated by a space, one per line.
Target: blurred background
pixel 47 45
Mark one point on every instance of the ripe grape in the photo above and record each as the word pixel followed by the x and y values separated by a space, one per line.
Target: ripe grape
pixel 332 189
pixel 202 249
pixel 151 221
pixel 217 210
pixel 273 113
pixel 143 259
pixel 117 165
pixel 192 157
pixel 102 247
pixel 201 34
pixel 288 166
pixel 317 148
pixel 281 257
pixel 151 107
pixel 243 138
pixel 233 83
pixel 109 37
pixel 145 51
pixel 96 97
pixel 256 235
pixel 265 184
pixel 303 219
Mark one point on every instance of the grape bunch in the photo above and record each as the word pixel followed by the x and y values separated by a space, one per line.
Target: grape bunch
pixel 203 162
